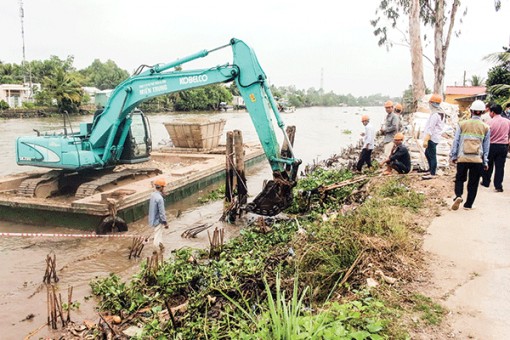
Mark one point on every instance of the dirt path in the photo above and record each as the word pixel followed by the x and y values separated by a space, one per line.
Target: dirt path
pixel 470 266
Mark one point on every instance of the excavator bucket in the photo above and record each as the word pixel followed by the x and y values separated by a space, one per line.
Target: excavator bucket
pixel 274 198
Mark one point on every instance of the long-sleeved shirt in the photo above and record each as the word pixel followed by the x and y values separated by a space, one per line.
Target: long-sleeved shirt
pixel 500 130
pixel 390 127
pixel 471 142
pixel 401 154
pixel 434 127
pixel 157 209
pixel 369 138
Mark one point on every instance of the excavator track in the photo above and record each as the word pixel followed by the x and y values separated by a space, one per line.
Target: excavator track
pixel 102 184
pixel 42 187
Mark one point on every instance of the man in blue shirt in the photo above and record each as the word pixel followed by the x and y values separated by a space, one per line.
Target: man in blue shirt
pixel 157 213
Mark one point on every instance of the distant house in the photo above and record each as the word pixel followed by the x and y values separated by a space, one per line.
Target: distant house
pixel 16 94
pixel 91 92
pixel 238 103
pixel 463 96
pixel 102 97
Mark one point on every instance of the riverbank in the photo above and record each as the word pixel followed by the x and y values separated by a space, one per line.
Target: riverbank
pixel 357 250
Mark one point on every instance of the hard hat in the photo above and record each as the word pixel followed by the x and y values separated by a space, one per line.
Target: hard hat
pixel 399 136
pixel 398 106
pixel 160 182
pixel 389 103
pixel 477 105
pixel 435 98
pixel 365 118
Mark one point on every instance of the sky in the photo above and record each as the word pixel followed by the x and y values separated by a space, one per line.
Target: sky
pixel 301 43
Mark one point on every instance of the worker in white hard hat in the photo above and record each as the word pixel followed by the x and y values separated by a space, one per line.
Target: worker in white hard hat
pixel 368 144
pixel 433 130
pixel 470 152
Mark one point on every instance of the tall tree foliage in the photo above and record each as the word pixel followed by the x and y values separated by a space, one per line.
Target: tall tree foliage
pixel 498 79
pixel 438 15
pixel 104 75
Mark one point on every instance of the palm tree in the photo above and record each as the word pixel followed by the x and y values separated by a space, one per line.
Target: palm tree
pixel 502 59
pixel 477 80
pixel 65 89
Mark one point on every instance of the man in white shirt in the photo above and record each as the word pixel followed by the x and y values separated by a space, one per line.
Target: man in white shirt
pixel 368 144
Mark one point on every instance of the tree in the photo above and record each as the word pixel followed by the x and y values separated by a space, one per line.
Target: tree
pixel 476 80
pixel 418 82
pixel 498 78
pixel 202 98
pixel 104 75
pixel 440 15
pixel 65 88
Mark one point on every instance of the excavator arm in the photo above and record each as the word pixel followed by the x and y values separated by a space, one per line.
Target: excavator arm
pixel 100 144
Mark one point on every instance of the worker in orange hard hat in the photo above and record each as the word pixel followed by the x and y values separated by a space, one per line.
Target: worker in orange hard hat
pixel 400 159
pixel 433 131
pixel 368 144
pixel 157 214
pixel 389 128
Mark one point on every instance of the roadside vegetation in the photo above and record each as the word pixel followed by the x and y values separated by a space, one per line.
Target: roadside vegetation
pixel 335 267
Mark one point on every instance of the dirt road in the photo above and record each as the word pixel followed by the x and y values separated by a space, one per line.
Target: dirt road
pixel 470 268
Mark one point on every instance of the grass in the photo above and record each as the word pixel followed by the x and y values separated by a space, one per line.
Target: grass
pixel 431 312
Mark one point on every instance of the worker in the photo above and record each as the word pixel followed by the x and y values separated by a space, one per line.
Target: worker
pixel 398 113
pixel 399 159
pixel 368 144
pixel 389 129
pixel 498 150
pixel 470 151
pixel 433 130
pixel 157 214
pixel 486 116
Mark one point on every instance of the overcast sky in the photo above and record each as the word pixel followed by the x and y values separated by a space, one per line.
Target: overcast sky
pixel 297 42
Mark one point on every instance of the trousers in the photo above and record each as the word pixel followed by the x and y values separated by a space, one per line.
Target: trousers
pixel 472 173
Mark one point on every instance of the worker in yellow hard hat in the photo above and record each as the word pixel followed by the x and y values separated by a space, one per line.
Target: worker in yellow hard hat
pixel 157 214
pixel 368 144
pixel 399 159
pixel 432 132
pixel 389 128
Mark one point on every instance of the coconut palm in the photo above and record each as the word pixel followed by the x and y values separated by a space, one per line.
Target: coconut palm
pixel 477 80
pixel 502 59
pixel 65 89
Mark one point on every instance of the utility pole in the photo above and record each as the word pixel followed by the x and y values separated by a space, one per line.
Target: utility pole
pixel 322 79
pixel 23 62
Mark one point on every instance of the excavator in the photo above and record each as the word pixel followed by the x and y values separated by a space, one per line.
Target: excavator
pixel 83 161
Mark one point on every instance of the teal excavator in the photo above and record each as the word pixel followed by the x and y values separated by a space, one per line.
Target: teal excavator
pixel 120 134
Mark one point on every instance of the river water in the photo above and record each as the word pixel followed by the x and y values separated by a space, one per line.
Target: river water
pixel 320 133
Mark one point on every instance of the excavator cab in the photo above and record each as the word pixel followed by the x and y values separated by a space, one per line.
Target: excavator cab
pixel 138 144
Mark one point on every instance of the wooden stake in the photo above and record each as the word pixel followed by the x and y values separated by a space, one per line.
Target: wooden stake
pixel 242 190
pixel 229 166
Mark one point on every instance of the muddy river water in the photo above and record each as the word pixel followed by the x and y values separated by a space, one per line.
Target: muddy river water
pixel 320 133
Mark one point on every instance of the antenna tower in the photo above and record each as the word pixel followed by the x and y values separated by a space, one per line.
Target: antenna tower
pixel 23 62
pixel 322 78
